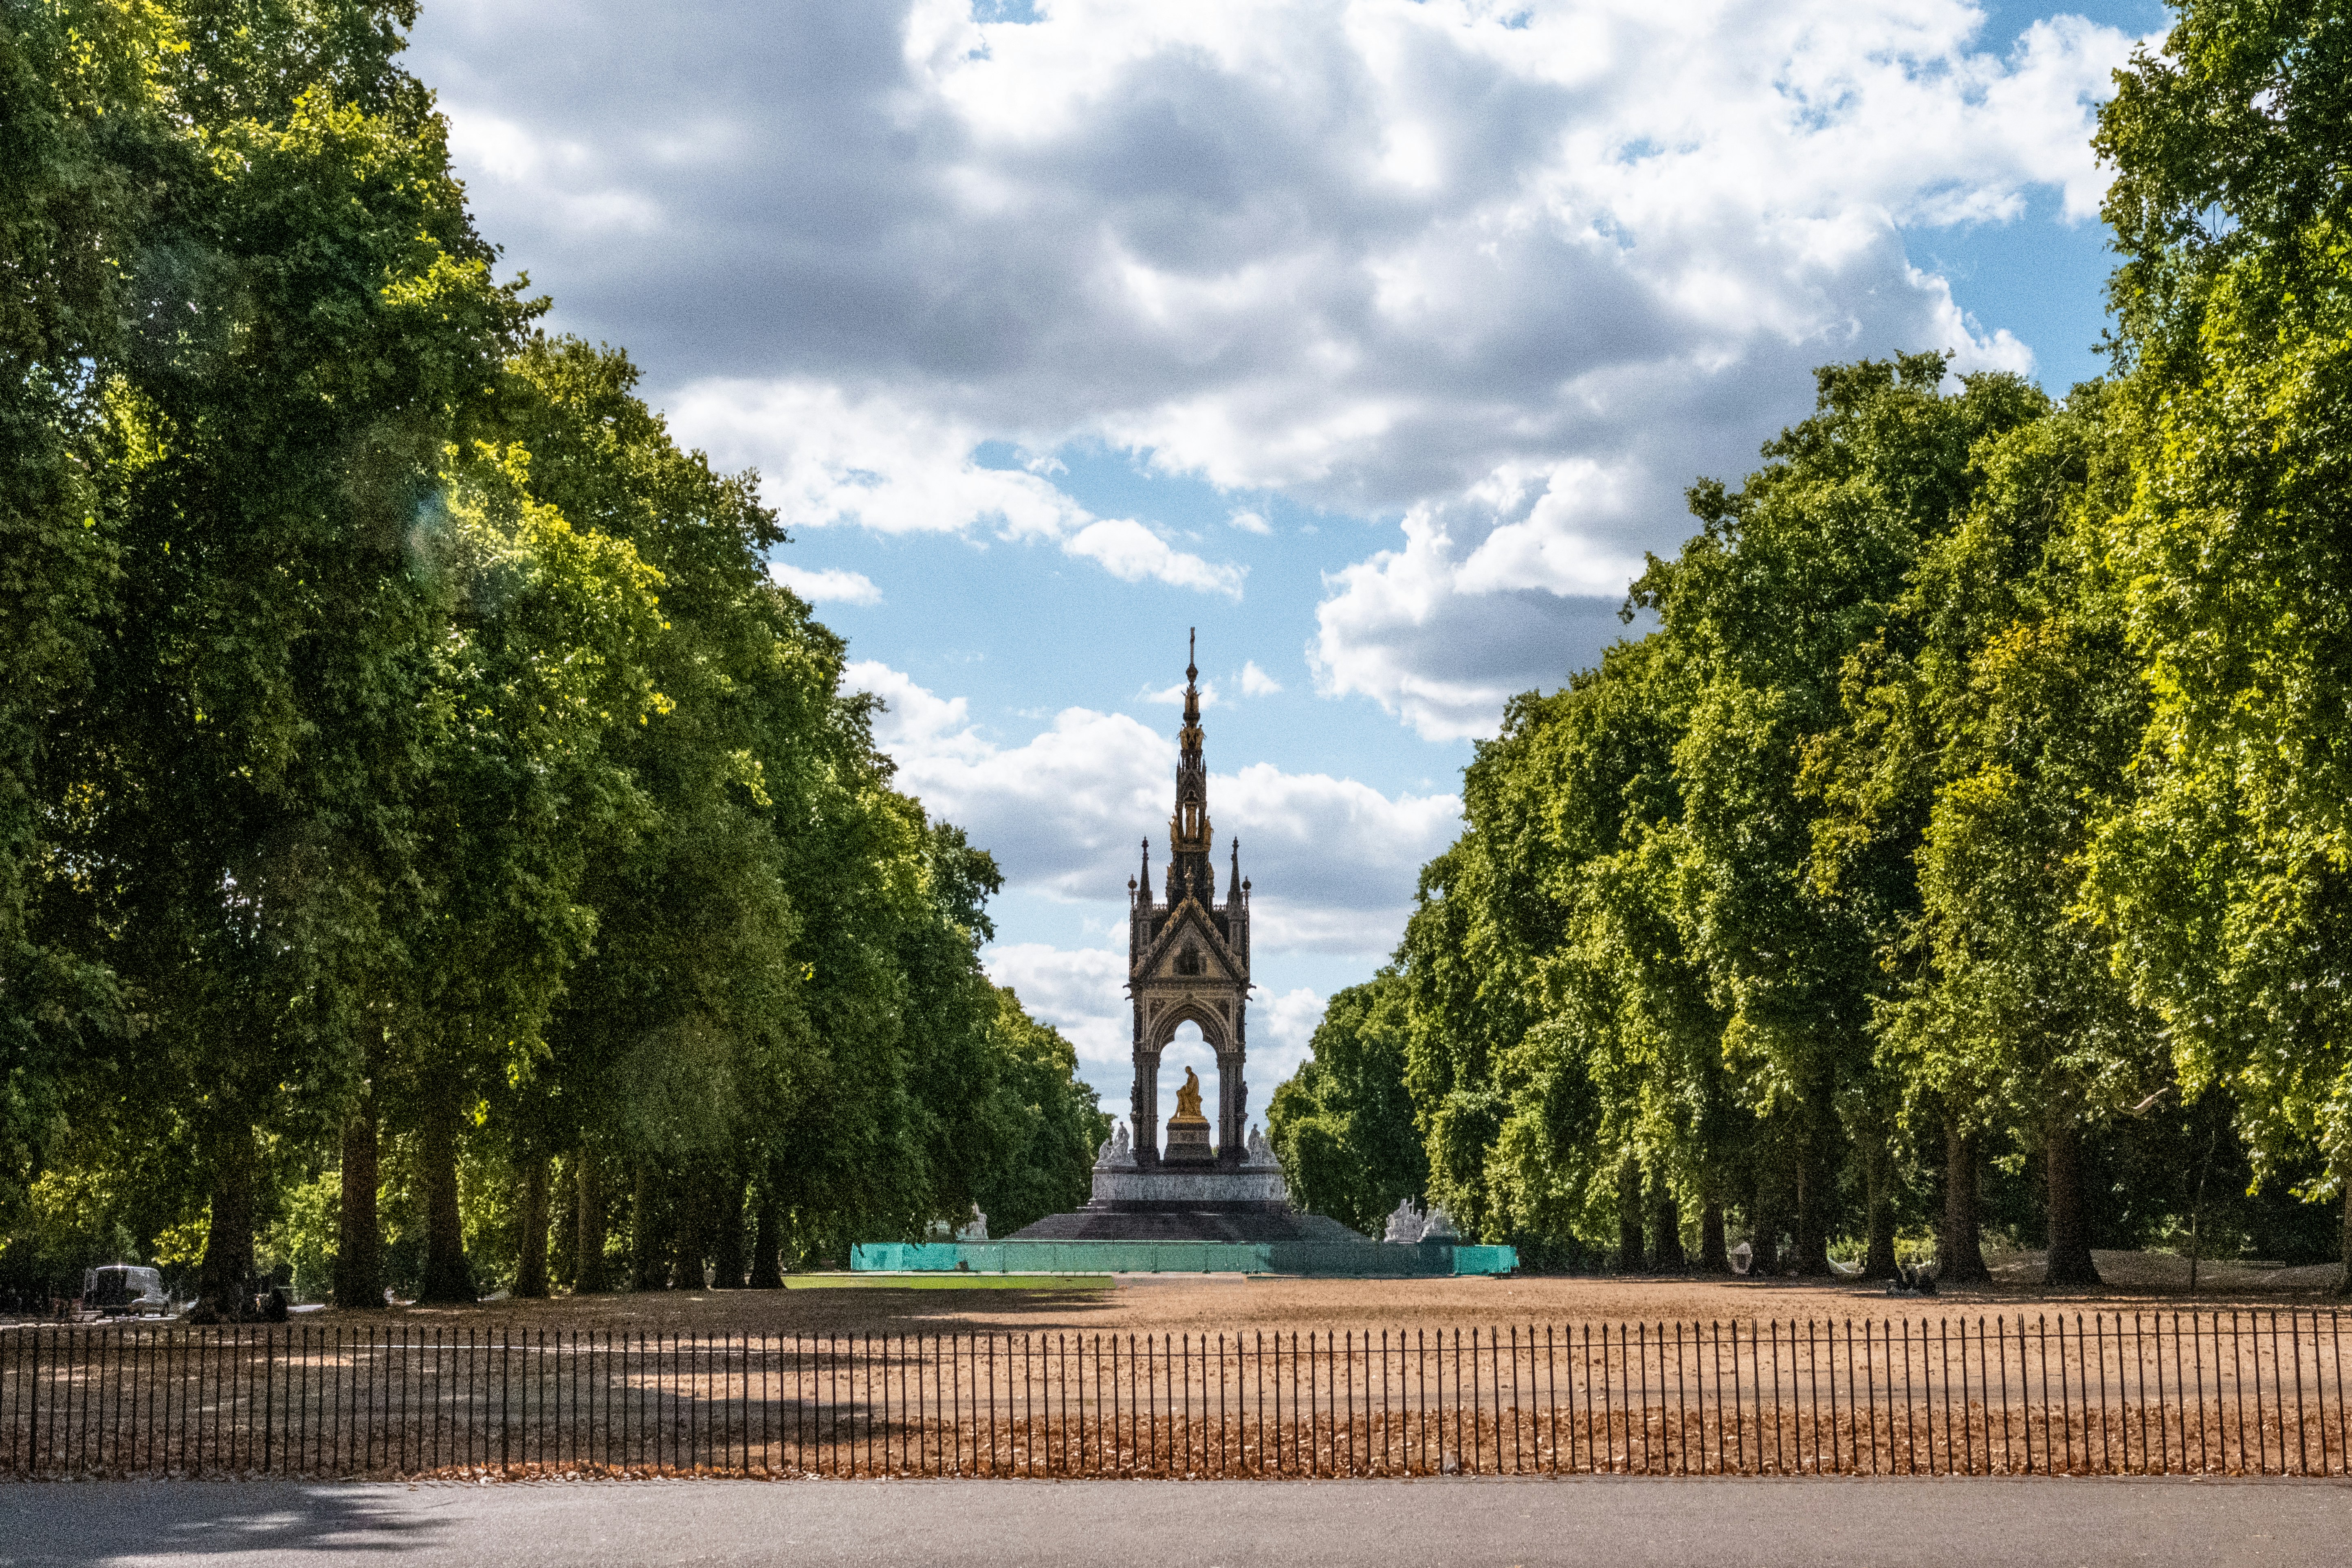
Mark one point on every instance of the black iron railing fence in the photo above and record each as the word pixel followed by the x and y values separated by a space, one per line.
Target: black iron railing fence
pixel 2103 1393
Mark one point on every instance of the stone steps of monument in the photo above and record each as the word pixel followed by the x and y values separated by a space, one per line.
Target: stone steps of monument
pixel 1239 1222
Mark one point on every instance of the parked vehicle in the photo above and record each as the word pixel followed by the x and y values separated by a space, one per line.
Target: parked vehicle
pixel 123 1289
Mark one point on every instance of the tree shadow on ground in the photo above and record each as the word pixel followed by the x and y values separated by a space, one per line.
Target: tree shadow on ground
pixel 113 1522
pixel 860 1309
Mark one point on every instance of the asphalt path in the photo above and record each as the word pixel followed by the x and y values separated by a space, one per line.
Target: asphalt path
pixel 1619 1522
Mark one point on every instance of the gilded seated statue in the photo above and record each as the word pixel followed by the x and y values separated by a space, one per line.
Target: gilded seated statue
pixel 1188 1129
pixel 1188 1098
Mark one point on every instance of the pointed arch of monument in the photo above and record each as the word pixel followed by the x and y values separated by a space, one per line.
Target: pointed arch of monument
pixel 1215 1033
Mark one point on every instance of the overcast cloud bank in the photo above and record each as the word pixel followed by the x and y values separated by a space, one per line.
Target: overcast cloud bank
pixel 1509 273
pixel 1499 279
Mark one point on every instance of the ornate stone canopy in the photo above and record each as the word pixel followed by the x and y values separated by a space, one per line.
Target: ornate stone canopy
pixel 1188 956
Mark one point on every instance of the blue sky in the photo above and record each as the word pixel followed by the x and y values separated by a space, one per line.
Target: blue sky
pixel 1376 340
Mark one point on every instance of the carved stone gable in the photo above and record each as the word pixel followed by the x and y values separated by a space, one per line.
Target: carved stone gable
pixel 1187 945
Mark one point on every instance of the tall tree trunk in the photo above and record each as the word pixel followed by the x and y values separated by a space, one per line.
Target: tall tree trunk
pixel 1811 1255
pixel 1878 1262
pixel 2343 1285
pixel 2069 1218
pixel 1713 1250
pixel 1629 1216
pixel 447 1277
pixel 727 1252
pixel 685 1267
pixel 1959 1239
pixel 589 1275
pixel 647 1265
pixel 562 1224
pixel 530 1264
pixel 359 1231
pixel 1666 1255
pixel 226 1270
pixel 1764 1229
pixel 767 1244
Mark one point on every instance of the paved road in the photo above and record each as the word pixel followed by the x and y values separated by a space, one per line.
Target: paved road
pixel 1302 1524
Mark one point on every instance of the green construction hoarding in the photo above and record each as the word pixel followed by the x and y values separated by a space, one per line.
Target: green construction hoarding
pixel 1316 1260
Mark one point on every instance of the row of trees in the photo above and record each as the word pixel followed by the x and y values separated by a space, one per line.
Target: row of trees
pixel 406 766
pixel 1970 833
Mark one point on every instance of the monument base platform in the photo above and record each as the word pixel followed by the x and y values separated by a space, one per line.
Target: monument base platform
pixel 1188 1222
pixel 1170 1202
pixel 1212 1184
pixel 1171 1220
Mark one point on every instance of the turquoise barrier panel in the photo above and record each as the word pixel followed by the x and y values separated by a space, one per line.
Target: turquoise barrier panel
pixel 1366 1259
pixel 1485 1259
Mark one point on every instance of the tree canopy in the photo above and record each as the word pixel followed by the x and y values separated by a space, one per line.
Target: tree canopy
pixel 1968 842
pixel 432 851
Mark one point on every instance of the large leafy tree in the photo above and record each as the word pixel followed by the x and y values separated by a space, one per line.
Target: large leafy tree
pixel 2009 748
pixel 1617 1114
pixel 1041 1125
pixel 2230 879
pixel 1790 575
pixel 783 1026
pixel 1342 1125
pixel 674 1040
pixel 1469 996
pixel 1637 987
pixel 543 659
pixel 1989 726
pixel 80 110
pixel 316 324
pixel 1586 1081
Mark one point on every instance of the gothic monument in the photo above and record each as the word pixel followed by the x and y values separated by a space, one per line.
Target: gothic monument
pixel 1187 962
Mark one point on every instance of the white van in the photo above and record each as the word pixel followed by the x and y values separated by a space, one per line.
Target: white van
pixel 123 1289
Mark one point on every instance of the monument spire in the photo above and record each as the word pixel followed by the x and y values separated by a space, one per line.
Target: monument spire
pixel 1191 678
pixel 1190 842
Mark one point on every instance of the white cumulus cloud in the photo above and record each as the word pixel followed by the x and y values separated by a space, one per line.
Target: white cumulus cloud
pixel 828 460
pixel 1173 696
pixel 1286 1026
pixel 1079 990
pixel 1131 552
pixel 830 585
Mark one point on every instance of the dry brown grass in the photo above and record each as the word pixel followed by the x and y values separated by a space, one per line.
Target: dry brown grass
pixel 1182 1303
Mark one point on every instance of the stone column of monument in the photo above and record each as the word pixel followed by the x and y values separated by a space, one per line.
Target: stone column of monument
pixel 1232 1085
pixel 1229 1108
pixel 1143 1098
pixel 1147 1108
